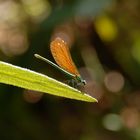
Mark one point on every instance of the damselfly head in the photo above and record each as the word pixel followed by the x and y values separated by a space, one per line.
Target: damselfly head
pixel 84 82
pixel 80 80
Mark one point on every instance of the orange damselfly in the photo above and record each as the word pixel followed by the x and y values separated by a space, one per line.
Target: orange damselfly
pixel 61 54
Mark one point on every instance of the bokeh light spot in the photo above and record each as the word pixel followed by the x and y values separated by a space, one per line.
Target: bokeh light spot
pixel 112 122
pixel 136 48
pixel 106 28
pixel 114 81
pixel 66 32
pixel 37 9
pixel 130 117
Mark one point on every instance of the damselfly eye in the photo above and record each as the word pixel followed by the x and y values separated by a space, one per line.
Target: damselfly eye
pixel 84 82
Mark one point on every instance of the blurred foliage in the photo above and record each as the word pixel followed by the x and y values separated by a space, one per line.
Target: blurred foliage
pixel 104 39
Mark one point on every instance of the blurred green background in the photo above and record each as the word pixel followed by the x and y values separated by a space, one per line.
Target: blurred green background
pixel 104 39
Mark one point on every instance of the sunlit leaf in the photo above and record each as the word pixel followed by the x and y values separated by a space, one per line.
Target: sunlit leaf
pixel 21 77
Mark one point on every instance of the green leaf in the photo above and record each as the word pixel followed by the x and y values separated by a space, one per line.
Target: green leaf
pixel 24 78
